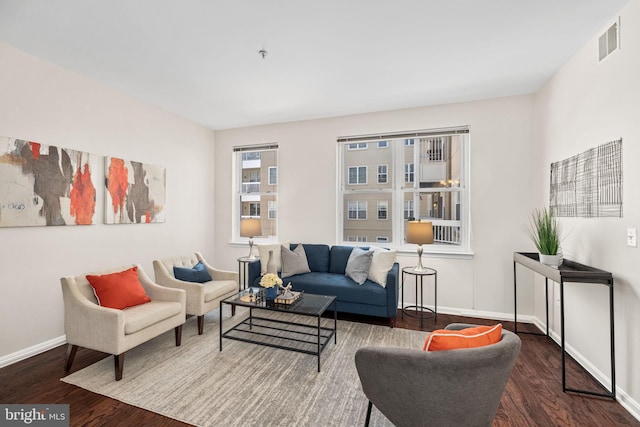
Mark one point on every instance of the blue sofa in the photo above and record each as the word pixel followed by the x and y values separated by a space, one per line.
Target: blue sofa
pixel 327 277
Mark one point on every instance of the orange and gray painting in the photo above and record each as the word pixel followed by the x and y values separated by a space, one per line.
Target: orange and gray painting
pixel 45 185
pixel 135 192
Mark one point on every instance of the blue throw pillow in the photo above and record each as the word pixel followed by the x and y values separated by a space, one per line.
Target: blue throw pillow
pixel 197 274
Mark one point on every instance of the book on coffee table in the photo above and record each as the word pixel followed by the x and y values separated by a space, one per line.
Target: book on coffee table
pixel 288 298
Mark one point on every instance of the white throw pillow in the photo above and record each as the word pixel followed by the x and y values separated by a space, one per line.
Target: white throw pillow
pixel 263 251
pixel 383 260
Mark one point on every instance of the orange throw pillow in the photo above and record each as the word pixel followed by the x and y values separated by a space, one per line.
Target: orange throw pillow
pixel 119 290
pixel 444 339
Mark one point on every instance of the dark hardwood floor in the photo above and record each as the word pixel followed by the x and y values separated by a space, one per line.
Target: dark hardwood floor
pixel 533 396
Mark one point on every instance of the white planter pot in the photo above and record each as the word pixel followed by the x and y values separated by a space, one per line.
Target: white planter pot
pixel 551 260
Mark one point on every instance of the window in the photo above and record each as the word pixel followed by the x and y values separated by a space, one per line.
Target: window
pixel 256 187
pixel 272 210
pixel 360 146
pixel 357 210
pixel 357 239
pixel 382 174
pixel 383 207
pixel 357 175
pixel 273 175
pixel 408 172
pixel 421 176
pixel 383 144
pixel 408 209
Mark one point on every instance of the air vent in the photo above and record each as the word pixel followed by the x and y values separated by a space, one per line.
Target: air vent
pixel 609 41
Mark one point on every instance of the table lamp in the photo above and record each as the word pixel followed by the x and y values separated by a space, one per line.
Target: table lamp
pixel 420 233
pixel 250 227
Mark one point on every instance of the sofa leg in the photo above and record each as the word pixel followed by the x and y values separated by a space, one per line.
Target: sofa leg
pixel 200 324
pixel 366 421
pixel 178 331
pixel 71 354
pixel 118 362
pixel 392 322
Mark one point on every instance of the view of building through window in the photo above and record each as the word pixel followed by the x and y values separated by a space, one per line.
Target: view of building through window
pixel 385 183
pixel 257 187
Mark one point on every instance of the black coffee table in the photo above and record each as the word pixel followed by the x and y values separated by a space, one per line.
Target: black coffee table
pixel 287 335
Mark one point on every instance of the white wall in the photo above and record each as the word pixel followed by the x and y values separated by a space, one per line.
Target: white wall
pixel 44 103
pixel 501 190
pixel 584 105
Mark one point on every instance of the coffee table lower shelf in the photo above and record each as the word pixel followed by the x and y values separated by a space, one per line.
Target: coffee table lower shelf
pixel 287 335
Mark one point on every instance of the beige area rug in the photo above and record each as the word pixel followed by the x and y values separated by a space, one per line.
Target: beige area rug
pixel 246 384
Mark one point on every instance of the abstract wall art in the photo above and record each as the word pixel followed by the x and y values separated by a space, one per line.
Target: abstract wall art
pixel 44 185
pixel 588 184
pixel 135 192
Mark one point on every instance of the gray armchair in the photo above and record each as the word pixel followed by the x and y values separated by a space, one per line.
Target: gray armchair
pixel 113 331
pixel 441 388
pixel 201 297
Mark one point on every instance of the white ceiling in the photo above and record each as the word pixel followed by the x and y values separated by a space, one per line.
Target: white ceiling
pixel 199 58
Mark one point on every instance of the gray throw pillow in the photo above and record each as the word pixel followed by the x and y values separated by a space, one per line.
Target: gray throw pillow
pixel 358 265
pixel 294 261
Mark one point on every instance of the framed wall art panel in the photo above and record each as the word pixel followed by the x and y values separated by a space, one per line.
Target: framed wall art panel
pixel 135 192
pixel 43 185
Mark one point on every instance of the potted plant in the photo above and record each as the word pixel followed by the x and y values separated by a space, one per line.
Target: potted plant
pixel 545 233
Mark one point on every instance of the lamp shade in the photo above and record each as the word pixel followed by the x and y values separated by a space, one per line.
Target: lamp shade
pixel 250 227
pixel 420 232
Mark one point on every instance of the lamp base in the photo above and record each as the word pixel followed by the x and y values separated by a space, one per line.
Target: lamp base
pixel 251 256
pixel 420 268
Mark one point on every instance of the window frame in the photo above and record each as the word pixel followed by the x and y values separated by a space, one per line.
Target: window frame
pixel 251 162
pixel 457 214
pixel 358 168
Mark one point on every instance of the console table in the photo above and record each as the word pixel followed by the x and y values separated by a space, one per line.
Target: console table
pixel 568 271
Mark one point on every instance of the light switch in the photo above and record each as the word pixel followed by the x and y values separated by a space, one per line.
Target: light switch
pixel 632 237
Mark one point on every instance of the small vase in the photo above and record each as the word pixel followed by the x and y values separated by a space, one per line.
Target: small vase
pixel 551 260
pixel 271 293
pixel 271 264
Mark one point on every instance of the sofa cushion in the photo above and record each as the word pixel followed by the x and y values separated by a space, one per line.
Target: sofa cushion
pixel 447 339
pixel 339 258
pixel 142 316
pixel 345 289
pixel 218 288
pixel 317 257
pixel 358 265
pixel 381 263
pixel 118 290
pixel 294 261
pixel 197 274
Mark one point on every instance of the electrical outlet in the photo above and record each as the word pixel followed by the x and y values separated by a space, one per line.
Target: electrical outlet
pixel 632 240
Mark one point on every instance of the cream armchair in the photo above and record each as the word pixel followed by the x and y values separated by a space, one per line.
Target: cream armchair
pixel 201 297
pixel 114 331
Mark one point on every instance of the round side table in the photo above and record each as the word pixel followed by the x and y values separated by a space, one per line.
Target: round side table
pixel 411 271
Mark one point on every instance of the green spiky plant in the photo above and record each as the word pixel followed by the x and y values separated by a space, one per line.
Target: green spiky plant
pixel 544 231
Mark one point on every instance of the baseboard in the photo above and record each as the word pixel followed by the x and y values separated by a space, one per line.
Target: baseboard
pixel 32 351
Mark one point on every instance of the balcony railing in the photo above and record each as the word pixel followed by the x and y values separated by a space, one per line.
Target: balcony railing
pixel 250 187
pixel 445 231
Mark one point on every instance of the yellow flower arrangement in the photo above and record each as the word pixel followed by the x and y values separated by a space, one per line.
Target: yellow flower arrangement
pixel 270 280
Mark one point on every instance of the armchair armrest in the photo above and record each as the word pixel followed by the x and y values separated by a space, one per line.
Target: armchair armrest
pixel 81 315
